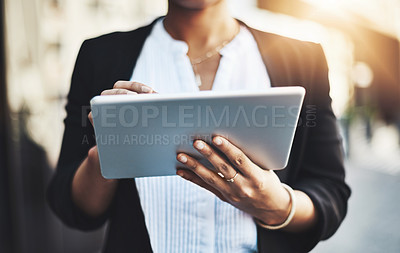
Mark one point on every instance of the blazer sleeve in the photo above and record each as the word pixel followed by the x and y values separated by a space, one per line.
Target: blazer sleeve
pixel 77 140
pixel 322 172
pixel 318 169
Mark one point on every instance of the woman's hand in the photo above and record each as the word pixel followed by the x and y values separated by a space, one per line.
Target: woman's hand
pixel 128 88
pixel 119 88
pixel 90 190
pixel 253 190
pixel 125 88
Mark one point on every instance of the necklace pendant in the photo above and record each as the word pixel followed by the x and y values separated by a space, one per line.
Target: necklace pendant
pixel 197 79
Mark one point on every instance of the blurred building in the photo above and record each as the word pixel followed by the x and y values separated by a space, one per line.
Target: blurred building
pixel 43 38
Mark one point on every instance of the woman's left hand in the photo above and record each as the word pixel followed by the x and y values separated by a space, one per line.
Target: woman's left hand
pixel 237 180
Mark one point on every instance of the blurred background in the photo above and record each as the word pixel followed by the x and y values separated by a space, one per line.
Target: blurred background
pixel 39 43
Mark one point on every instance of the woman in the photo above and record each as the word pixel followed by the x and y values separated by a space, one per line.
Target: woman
pixel 241 208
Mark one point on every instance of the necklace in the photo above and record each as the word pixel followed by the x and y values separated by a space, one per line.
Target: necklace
pixel 207 56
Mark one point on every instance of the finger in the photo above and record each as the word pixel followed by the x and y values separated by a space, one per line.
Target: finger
pixel 133 86
pixel 207 175
pixel 235 155
pixel 90 117
pixel 118 92
pixel 224 169
pixel 93 156
pixel 192 177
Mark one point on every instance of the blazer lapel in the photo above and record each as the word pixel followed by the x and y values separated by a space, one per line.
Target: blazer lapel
pixel 274 60
pixel 128 53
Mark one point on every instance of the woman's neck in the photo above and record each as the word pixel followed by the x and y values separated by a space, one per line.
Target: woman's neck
pixel 202 29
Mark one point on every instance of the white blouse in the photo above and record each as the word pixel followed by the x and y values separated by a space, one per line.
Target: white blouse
pixel 180 216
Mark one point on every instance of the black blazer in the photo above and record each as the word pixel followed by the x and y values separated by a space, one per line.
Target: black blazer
pixel 315 164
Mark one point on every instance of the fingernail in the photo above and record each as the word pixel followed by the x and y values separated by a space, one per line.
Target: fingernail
pixel 217 141
pixel 131 92
pixel 146 89
pixel 182 159
pixel 199 145
pixel 179 173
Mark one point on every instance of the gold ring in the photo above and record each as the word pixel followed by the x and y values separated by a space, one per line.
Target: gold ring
pixel 231 180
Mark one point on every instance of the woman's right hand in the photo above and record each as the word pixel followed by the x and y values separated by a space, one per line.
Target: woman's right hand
pixel 125 88
pixel 128 88
pixel 90 190
pixel 119 88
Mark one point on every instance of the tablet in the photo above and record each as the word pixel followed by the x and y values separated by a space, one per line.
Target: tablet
pixel 140 135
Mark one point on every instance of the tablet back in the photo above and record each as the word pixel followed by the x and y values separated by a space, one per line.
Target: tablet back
pixel 140 135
